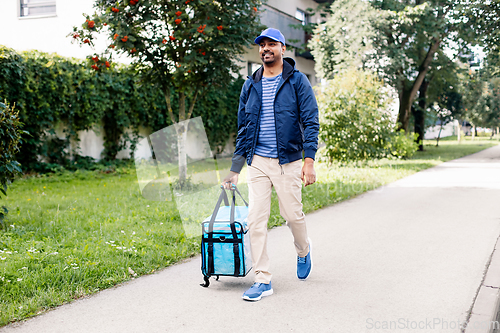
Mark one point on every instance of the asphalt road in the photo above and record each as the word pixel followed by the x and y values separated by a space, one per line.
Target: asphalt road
pixel 407 257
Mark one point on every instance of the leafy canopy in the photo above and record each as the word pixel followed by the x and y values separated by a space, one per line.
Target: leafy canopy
pixel 186 45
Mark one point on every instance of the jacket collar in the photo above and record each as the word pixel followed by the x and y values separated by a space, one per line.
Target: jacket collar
pixel 288 70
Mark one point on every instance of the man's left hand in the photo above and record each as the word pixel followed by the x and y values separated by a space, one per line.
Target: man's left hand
pixel 308 174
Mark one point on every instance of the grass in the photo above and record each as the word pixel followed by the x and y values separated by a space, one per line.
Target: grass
pixel 73 234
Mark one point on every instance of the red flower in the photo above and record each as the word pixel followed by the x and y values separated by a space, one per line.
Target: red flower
pixel 171 37
pixel 187 1
pixel 95 67
pixel 91 24
pixel 133 50
pixel 178 13
pixel 124 39
pixel 105 24
pixel 164 41
pixel 203 53
pixel 76 35
pixel 112 46
pixel 96 59
pixel 178 21
pixel 201 28
pixel 220 27
pixel 115 36
pixel 86 41
pixel 116 10
pixel 189 71
pixel 255 8
pixel 133 2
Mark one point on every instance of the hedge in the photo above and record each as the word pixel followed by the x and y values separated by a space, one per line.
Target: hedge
pixel 48 89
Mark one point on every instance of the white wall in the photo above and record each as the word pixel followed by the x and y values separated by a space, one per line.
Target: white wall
pixel 305 66
pixel 448 130
pixel 47 34
pixel 290 6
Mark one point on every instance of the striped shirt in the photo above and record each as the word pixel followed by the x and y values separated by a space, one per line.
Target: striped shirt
pixel 266 144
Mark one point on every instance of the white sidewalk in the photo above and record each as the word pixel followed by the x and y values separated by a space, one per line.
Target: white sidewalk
pixel 409 257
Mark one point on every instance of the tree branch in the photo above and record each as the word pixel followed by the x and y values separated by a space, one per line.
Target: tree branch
pixel 169 105
pixel 182 106
pixel 191 107
pixel 424 68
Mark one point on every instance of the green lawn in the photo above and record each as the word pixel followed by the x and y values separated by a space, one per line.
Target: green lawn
pixel 77 233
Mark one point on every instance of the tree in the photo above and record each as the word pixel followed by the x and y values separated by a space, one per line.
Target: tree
pixel 405 37
pixel 440 86
pixel 181 46
pixel 344 39
pixel 410 35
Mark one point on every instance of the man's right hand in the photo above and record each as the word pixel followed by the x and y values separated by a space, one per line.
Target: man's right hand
pixel 231 179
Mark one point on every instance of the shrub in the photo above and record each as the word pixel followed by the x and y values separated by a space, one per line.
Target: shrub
pixel 10 140
pixel 355 123
pixel 403 145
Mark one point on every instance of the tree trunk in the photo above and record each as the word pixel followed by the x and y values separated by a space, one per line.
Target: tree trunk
pixel 439 134
pixel 181 129
pixel 405 102
pixel 407 95
pixel 419 114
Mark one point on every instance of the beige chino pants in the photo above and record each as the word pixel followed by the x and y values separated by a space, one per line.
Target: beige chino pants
pixel 263 174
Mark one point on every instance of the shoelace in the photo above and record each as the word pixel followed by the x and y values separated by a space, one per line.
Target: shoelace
pixel 301 260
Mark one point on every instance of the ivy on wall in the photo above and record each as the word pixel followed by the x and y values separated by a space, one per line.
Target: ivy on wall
pixel 49 89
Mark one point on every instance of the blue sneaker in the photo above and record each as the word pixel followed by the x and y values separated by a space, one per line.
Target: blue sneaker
pixel 257 291
pixel 304 265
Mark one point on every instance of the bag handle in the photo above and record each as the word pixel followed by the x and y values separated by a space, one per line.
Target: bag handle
pixel 234 188
pixel 222 196
pixel 236 251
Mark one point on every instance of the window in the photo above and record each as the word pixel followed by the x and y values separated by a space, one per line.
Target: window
pixel 252 67
pixel 29 8
pixel 302 16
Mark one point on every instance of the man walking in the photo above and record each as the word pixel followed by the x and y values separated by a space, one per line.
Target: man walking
pixel 277 124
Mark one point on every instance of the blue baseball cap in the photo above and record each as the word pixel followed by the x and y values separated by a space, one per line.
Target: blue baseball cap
pixel 271 33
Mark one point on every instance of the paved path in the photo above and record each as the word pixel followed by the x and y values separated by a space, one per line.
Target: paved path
pixel 412 253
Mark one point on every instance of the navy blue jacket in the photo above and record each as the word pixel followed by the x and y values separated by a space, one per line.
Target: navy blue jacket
pixel 295 114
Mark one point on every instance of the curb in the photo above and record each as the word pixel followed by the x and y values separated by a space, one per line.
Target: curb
pixel 484 315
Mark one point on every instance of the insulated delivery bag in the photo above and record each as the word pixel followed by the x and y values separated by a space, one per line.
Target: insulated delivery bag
pixel 225 243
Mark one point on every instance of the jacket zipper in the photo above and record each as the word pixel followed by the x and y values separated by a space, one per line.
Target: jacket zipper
pixel 257 129
pixel 275 127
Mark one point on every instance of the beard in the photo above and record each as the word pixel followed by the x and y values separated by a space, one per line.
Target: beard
pixel 270 59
